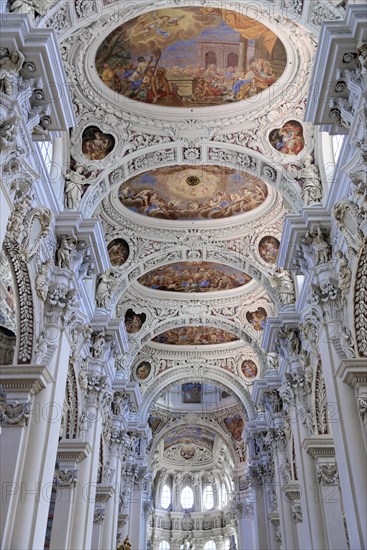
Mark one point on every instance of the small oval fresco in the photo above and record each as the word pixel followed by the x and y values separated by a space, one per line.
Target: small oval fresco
pixel 257 318
pixel 195 335
pixel 187 452
pixel 194 277
pixel 95 144
pixel 143 370
pixel 269 249
pixel 288 139
pixel 193 193
pixel 134 321
pixel 190 57
pixel 118 251
pixel 248 368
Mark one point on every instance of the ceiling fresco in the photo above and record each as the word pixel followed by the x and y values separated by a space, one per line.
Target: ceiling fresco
pixel 193 193
pixel 118 251
pixel 235 425
pixel 194 277
pixel 288 139
pixel 248 368
pixel 95 144
pixel 187 57
pixel 269 249
pixel 190 435
pixel 195 335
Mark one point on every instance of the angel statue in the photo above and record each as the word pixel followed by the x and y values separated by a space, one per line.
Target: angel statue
pixel 282 282
pixel 75 181
pixel 107 282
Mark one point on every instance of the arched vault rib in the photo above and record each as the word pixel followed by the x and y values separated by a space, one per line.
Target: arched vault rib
pixel 211 153
pixel 185 375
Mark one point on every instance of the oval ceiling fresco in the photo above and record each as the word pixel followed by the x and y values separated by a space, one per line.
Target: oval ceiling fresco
pixel 194 277
pixel 194 336
pixel 193 193
pixel 190 57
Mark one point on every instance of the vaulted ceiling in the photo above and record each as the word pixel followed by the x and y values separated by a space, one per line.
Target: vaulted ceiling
pixel 190 122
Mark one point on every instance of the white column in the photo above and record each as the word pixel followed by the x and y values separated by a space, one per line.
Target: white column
pixel 86 491
pixel 349 445
pixel 284 507
pixel 330 499
pixel 70 453
pixel 39 456
pixel 98 519
pixel 109 532
pixel 246 527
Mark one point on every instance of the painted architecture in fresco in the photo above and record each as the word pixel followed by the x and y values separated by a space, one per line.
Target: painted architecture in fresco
pixel 194 336
pixel 288 139
pixel 187 57
pixel 193 193
pixel 95 144
pixel 194 277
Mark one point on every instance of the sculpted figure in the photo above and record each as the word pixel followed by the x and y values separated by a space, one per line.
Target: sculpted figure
pixel 43 279
pixel 30 7
pixel 9 70
pixel 8 133
pixel 16 223
pixel 74 186
pixel 320 246
pixel 282 282
pixel 345 273
pixel 65 251
pixel 312 187
pixel 104 288
pixel 98 343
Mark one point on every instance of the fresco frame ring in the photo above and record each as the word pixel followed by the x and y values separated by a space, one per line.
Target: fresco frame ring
pixel 295 62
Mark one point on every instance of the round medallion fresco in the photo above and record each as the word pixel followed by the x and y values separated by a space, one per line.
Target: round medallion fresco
pixel 143 370
pixel 190 57
pixel 118 251
pixel 195 335
pixel 248 368
pixel 166 194
pixel 194 277
pixel 269 249
pixel 187 452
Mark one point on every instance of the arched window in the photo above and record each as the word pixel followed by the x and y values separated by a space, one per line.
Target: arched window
pixel 224 495
pixel 210 545
pixel 187 498
pixel 208 497
pixel 164 545
pixel 165 497
pixel 45 148
pixel 337 145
